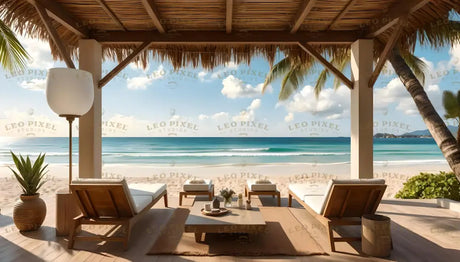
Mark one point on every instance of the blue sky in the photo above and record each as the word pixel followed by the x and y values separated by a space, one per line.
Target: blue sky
pixel 224 102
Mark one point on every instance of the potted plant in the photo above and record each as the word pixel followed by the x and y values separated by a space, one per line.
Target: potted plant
pixel 30 211
pixel 227 194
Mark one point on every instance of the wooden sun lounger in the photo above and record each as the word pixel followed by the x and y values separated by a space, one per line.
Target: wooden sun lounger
pixel 346 204
pixel 108 204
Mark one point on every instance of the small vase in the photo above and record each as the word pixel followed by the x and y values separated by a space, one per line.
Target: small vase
pixel 29 212
pixel 228 202
pixel 240 203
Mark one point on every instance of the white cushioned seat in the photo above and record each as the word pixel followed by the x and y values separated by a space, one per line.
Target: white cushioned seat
pixel 140 202
pixel 315 202
pixel 152 190
pixel 189 186
pixel 316 197
pixel 253 186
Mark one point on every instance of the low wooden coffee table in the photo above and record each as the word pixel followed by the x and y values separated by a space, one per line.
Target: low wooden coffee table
pixel 236 221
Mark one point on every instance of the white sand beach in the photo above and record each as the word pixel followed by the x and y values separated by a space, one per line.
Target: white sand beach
pixel 232 176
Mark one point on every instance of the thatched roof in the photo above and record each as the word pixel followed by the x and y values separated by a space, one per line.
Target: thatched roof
pixel 212 32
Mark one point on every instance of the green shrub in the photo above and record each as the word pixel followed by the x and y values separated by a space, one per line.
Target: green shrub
pixel 425 185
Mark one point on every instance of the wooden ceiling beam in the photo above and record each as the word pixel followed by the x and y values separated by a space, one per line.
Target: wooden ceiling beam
pixel 342 13
pixel 221 37
pixel 110 13
pixel 154 15
pixel 310 50
pixel 62 16
pixel 386 50
pixel 307 5
pixel 390 18
pixel 228 16
pixel 54 35
pixel 123 64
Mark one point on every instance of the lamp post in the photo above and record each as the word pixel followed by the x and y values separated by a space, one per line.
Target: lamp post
pixel 70 94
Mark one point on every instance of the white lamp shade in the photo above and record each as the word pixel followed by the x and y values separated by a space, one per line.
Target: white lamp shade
pixel 69 91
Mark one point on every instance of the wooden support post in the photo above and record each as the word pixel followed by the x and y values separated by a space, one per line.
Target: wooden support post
pixel 361 110
pixel 90 129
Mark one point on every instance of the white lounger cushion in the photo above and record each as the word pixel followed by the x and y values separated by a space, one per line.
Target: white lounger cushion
pixel 253 186
pixel 152 190
pixel 316 199
pixel 140 202
pixel 189 187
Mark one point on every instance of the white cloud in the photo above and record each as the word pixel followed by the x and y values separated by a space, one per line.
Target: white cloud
pixel 289 117
pixel 39 51
pixel 138 82
pixel 396 93
pixel 455 57
pixel 249 113
pixel 203 117
pixel 255 104
pixel 220 116
pixel 235 88
pixel 202 75
pixel 142 82
pixel 34 84
pixel 332 104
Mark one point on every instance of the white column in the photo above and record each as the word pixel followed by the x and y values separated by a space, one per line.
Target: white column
pixel 90 124
pixel 362 110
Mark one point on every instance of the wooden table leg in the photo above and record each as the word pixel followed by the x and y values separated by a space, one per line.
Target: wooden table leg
pixel 279 199
pixel 199 236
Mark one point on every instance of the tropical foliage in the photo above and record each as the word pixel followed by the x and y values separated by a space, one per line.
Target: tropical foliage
pixel 451 104
pixel 13 56
pixel 425 185
pixel 30 175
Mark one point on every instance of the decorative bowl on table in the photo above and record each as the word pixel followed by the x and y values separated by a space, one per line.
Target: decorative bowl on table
pixel 215 212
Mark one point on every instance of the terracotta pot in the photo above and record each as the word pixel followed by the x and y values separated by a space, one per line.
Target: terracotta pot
pixel 29 212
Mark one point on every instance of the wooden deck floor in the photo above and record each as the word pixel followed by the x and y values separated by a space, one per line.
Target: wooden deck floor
pixel 421 232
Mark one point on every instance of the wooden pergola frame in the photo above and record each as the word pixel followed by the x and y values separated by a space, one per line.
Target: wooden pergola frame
pixel 393 18
pixel 390 25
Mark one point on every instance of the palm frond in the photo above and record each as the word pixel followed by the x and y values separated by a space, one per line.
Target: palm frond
pixel 277 71
pixel 291 82
pixel 321 81
pixel 451 105
pixel 416 64
pixel 13 56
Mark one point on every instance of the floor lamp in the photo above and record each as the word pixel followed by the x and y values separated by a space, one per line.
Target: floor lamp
pixel 70 94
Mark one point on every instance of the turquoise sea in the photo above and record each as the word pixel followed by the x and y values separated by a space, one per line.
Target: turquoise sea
pixel 221 151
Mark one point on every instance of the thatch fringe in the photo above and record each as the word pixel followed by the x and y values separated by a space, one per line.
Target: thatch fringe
pixel 422 26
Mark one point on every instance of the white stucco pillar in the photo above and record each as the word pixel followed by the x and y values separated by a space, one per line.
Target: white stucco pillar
pixel 90 124
pixel 362 110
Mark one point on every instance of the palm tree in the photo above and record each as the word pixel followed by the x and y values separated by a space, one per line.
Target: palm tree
pixel 13 56
pixel 451 104
pixel 408 67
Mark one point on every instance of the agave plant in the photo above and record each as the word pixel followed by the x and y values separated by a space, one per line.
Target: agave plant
pixel 30 175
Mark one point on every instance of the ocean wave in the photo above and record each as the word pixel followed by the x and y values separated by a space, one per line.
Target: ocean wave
pixel 250 149
pixel 224 154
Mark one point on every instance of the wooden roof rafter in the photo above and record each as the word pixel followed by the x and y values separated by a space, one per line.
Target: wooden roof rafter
pixel 220 37
pixel 342 13
pixel 123 64
pixel 110 13
pixel 54 35
pixel 391 17
pixel 154 15
pixel 228 16
pixel 62 16
pixel 387 49
pixel 311 51
pixel 307 6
